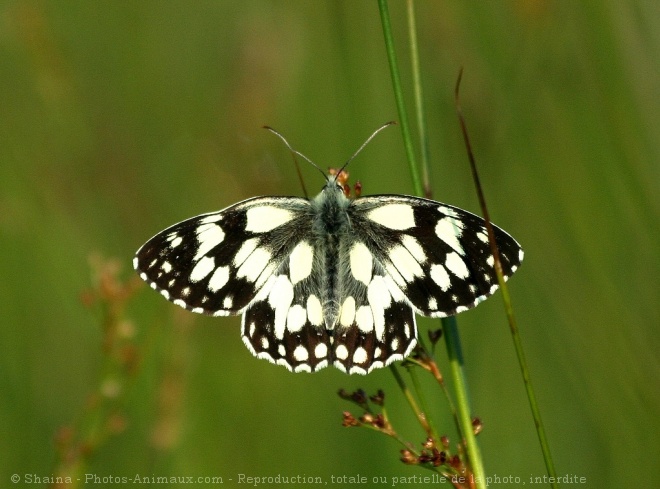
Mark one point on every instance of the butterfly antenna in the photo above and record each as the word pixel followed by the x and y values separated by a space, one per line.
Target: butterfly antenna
pixel 387 124
pixel 296 153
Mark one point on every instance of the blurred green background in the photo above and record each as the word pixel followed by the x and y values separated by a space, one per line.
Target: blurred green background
pixel 118 119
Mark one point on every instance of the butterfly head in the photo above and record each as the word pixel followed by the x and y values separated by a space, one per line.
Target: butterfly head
pixel 339 178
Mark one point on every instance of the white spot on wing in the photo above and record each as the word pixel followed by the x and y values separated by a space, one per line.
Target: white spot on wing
pixel 211 218
pixel 202 269
pixel 394 289
pixel 280 361
pixel 455 264
pixel 448 231
pixel 360 355
pixel 296 318
pixel 176 242
pixel 321 351
pixel 380 299
pixel 209 236
pixel 246 250
pixel 264 218
pixel 166 267
pixel 413 246
pixel 441 277
pixel 361 262
pixel 364 319
pixel 347 312
pixel 228 302
pixel 395 275
pixel 219 278
pixel 300 262
pixel 280 298
pixel 340 366
pixel 254 265
pixel 300 353
pixel 265 275
pixel 405 263
pixel 314 310
pixel 448 211
pixel 393 216
pixel 341 352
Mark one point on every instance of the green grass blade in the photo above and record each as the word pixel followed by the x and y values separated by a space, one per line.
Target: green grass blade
pixel 452 338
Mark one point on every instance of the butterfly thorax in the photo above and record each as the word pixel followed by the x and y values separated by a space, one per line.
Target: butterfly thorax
pixel 331 227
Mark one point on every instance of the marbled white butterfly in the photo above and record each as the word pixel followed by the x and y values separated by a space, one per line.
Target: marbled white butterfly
pixel 328 281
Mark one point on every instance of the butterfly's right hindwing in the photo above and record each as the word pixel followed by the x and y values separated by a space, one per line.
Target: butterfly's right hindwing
pixel 216 263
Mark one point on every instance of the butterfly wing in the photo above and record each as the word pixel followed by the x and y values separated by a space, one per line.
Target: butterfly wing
pixel 376 323
pixel 216 263
pixel 436 254
pixel 301 322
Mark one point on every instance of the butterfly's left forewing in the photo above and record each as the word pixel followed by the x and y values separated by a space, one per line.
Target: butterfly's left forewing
pixel 217 263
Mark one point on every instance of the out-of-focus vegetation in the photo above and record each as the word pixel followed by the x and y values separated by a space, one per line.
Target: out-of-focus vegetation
pixel 118 119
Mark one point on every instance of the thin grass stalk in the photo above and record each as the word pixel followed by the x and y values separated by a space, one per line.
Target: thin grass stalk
pixel 508 306
pixel 419 101
pixel 452 338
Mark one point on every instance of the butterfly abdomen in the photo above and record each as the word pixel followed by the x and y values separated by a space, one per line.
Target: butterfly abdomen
pixel 331 227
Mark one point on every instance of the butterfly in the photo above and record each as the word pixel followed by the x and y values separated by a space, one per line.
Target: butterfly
pixel 329 280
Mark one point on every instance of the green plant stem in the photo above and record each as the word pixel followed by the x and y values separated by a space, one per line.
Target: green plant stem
pixel 531 396
pixel 419 101
pixel 452 338
pixel 453 342
pixel 421 416
pixel 422 401
pixel 398 96
pixel 513 326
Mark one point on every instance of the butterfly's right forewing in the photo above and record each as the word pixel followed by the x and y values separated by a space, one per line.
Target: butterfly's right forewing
pixel 439 256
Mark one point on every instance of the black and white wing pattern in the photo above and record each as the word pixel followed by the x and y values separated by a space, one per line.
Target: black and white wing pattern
pixel 436 254
pixel 328 281
pixel 216 263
